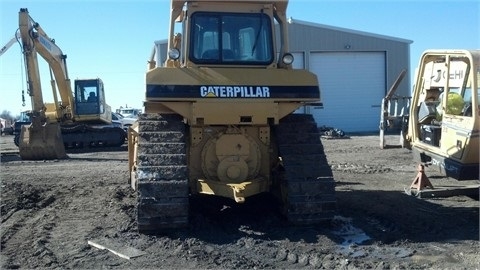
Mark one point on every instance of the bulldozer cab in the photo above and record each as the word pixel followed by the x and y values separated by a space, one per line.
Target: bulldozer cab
pixel 217 33
pixel 90 100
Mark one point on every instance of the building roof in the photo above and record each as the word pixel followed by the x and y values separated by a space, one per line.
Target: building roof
pixel 346 30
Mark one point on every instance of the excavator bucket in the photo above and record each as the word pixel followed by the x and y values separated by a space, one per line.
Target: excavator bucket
pixel 43 143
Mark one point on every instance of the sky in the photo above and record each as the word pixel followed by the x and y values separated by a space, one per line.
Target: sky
pixel 113 39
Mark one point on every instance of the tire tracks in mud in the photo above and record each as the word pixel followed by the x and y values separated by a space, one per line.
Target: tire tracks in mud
pixel 88 196
pixel 49 218
pixel 360 168
pixel 31 214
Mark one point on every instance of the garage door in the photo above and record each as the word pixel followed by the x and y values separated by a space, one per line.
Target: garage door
pixel 352 86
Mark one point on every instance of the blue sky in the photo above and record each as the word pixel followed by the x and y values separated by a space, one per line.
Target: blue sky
pixel 112 40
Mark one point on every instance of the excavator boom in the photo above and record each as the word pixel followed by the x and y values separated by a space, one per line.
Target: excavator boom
pixel 40 139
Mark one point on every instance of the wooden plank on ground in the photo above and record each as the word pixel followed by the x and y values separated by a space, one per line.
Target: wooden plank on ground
pixel 116 248
pixel 442 192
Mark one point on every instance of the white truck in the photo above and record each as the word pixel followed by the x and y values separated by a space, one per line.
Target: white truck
pixel 129 112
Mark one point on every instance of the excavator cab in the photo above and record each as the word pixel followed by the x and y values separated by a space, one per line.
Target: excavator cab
pixel 90 101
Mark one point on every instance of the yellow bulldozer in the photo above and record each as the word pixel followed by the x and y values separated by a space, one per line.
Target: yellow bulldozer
pixel 219 117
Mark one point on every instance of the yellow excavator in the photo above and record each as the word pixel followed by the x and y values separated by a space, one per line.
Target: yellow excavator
pixel 77 118
pixel 219 118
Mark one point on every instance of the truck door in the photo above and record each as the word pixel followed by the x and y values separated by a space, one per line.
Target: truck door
pixel 456 107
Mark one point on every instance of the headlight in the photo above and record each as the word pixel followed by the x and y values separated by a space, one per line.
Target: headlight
pixel 174 54
pixel 287 59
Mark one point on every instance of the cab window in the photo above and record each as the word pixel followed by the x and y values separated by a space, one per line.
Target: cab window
pixel 231 38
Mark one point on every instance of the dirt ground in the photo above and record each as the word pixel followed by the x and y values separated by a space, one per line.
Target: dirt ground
pixel 50 210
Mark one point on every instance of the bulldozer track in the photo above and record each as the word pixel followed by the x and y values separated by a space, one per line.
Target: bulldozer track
pixel 162 173
pixel 306 181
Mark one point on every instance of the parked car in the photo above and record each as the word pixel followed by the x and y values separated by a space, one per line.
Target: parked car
pixel 125 122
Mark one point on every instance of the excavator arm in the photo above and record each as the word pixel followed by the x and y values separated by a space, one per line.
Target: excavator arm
pixel 42 139
pixel 9 44
pixel 35 41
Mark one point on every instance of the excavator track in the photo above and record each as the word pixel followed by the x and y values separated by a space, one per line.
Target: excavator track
pixel 161 173
pixel 81 136
pixel 306 180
